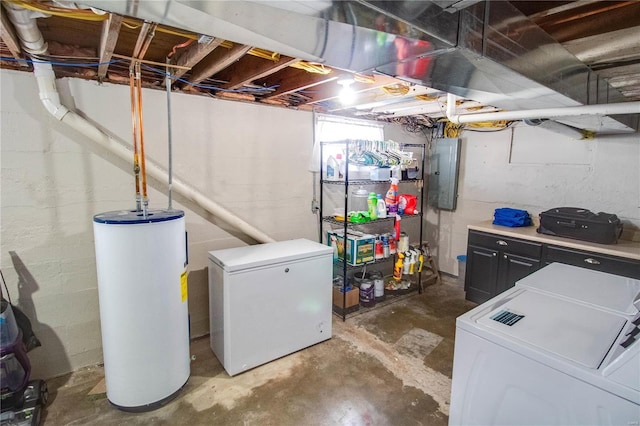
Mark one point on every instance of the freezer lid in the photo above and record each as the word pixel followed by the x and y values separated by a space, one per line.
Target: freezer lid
pixel 558 326
pixel 593 287
pixel 240 258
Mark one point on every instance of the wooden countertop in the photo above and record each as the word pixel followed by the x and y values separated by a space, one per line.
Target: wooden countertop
pixel 624 248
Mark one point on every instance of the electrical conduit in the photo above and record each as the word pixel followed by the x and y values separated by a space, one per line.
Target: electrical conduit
pixel 27 30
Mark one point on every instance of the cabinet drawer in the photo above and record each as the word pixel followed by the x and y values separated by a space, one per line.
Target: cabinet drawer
pixel 589 260
pixel 511 245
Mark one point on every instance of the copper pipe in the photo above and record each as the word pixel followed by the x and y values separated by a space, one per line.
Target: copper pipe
pixel 134 122
pixel 151 32
pixel 143 170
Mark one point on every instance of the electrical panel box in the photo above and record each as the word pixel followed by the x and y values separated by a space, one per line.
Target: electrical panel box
pixel 443 176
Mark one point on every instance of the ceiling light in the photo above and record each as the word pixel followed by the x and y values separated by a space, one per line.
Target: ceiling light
pixel 347 94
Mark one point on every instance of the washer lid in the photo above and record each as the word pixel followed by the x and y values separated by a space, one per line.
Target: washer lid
pixel 239 258
pixel 574 331
pixel 593 287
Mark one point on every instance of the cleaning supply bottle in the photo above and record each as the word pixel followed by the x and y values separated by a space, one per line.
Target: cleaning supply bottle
pixel 372 202
pixel 332 169
pixel 334 246
pixel 341 167
pixel 396 231
pixel 397 268
pixel 392 198
pixel 381 207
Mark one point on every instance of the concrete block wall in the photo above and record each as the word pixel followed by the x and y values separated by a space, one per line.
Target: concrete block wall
pixel 535 170
pixel 251 159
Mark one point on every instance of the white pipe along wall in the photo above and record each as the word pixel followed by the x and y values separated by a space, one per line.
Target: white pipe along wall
pixel 33 42
pixel 604 109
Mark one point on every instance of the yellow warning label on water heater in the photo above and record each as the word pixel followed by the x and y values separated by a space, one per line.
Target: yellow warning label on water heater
pixel 183 286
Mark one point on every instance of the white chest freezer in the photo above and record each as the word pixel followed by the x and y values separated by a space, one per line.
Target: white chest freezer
pixel 560 348
pixel 268 300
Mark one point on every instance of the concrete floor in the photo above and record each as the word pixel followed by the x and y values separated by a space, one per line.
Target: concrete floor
pixel 391 365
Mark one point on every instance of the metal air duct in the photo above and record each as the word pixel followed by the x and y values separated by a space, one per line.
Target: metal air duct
pixel 488 52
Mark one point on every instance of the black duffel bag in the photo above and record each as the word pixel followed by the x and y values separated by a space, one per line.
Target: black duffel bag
pixel 581 224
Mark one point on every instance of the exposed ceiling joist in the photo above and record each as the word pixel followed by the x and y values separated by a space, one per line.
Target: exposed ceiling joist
pixel 213 63
pixel 610 16
pixel 10 39
pixel 108 40
pixel 257 69
pixel 294 80
pixel 193 54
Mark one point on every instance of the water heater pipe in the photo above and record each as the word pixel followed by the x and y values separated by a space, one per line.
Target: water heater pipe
pixel 602 109
pixel 50 98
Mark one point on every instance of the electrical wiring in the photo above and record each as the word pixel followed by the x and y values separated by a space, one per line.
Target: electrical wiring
pixel 488 125
pixel 396 89
pixel 311 67
pixel 489 129
pixel 130 26
pixel 202 86
pixel 61 64
pixel 264 54
pixel 360 78
pixel 452 130
pixel 178 46
pixel 81 14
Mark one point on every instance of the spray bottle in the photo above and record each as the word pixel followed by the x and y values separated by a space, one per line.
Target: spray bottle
pixel 392 198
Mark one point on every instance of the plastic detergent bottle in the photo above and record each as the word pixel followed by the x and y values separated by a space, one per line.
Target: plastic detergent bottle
pixel 381 207
pixel 392 198
pixel 372 203
pixel 334 246
pixel 341 166
pixel 333 168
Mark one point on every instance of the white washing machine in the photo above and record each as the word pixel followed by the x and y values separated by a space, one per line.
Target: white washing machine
pixel 559 348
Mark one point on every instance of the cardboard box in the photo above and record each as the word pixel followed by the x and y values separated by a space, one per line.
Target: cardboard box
pixel 360 248
pixel 352 301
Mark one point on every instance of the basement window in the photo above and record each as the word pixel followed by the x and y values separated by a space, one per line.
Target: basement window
pixel 330 128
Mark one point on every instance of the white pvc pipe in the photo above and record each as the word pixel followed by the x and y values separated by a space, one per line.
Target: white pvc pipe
pixel 27 30
pixel 603 109
pixel 90 131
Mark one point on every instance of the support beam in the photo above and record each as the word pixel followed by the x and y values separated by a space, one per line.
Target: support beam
pixel 294 80
pixel 213 63
pixel 108 40
pixel 254 68
pixel 193 54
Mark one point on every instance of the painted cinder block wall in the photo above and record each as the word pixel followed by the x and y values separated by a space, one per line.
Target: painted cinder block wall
pixel 250 158
pixel 535 170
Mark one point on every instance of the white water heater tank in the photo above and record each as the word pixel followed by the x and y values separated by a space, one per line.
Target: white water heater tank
pixel 141 266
